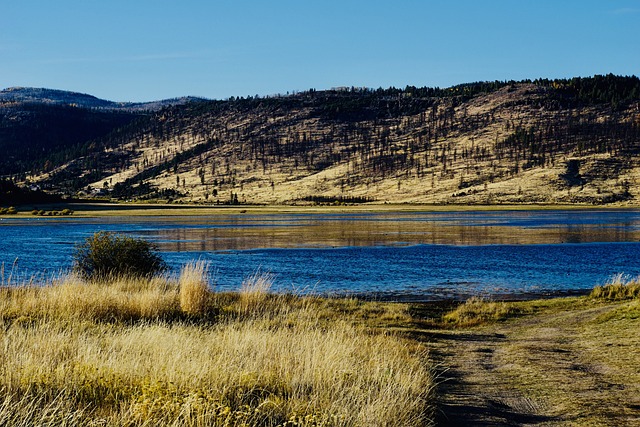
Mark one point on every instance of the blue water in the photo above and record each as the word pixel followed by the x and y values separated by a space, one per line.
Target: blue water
pixel 434 270
pixel 406 255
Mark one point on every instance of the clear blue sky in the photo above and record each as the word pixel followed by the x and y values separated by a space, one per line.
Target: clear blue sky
pixel 142 50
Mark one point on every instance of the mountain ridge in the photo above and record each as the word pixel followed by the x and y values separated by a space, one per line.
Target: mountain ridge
pixel 20 94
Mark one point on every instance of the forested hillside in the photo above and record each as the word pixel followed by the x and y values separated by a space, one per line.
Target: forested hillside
pixel 542 141
pixel 42 128
pixel 35 136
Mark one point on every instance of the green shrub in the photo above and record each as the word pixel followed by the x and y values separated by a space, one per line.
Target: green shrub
pixel 106 255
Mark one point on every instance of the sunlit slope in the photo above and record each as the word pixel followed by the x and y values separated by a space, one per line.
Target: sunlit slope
pixel 569 141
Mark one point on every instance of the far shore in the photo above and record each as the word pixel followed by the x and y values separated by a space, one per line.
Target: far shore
pixel 97 209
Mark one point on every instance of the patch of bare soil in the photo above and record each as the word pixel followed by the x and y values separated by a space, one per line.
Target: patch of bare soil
pixel 551 369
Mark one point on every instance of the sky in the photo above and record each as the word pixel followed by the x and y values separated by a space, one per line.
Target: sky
pixel 144 50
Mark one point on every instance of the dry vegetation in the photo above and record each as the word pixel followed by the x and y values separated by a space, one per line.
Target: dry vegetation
pixel 172 352
pixel 557 362
pixel 476 311
pixel 619 288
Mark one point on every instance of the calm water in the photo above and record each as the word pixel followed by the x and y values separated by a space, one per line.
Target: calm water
pixel 400 255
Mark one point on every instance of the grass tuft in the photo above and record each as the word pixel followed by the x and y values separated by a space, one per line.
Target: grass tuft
pixel 71 298
pixel 619 288
pixel 477 310
pixel 254 293
pixel 194 288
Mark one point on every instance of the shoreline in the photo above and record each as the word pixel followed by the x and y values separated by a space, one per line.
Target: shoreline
pixel 98 209
pixel 391 297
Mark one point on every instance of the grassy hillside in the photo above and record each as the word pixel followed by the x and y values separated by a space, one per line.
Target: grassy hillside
pixel 41 129
pixel 36 137
pixel 543 141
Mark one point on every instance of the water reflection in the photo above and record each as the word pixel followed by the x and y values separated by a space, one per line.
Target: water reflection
pixel 401 229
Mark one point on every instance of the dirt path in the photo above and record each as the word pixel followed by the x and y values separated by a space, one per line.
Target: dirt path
pixel 559 368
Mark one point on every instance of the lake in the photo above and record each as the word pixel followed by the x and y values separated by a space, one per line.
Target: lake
pixel 406 255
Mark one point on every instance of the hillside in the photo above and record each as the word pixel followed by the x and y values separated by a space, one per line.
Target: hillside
pixel 41 128
pixel 543 141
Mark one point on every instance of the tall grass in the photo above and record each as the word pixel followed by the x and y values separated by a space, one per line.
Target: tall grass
pixel 254 293
pixel 27 411
pixel 194 288
pixel 7 278
pixel 619 287
pixel 71 298
pixel 129 352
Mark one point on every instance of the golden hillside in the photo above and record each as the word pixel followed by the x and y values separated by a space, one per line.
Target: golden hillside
pixel 569 141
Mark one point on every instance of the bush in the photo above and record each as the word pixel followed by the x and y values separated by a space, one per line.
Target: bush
pixel 105 255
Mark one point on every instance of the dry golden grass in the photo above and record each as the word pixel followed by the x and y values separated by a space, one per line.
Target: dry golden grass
pixel 130 353
pixel 619 287
pixel 477 310
pixel 119 300
pixel 254 293
pixel 194 288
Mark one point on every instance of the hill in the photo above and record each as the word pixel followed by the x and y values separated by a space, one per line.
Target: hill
pixel 543 141
pixel 22 95
pixel 40 128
